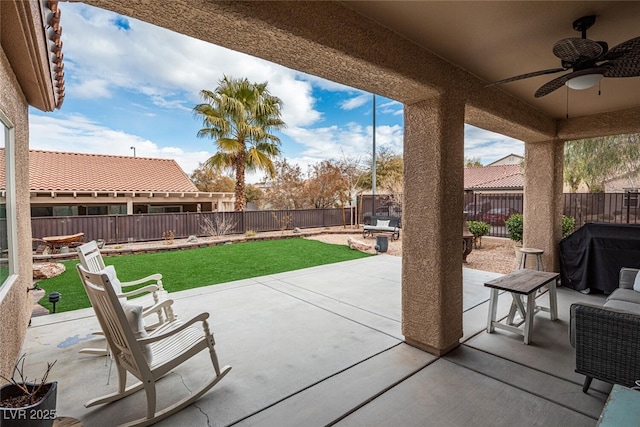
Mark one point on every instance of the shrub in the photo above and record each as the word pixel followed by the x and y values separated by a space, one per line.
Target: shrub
pixel 514 227
pixel 250 233
pixel 219 227
pixel 568 224
pixel 478 229
pixel 515 221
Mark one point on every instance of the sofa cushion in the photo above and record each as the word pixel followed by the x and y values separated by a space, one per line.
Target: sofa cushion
pixel 623 305
pixel 636 283
pixel 628 295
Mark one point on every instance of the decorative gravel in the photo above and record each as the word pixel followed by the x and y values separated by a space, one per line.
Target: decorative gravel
pixel 495 254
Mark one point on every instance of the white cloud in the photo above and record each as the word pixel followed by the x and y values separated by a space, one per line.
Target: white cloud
pixel 356 102
pixel 168 67
pixel 91 89
pixel 353 140
pixel 78 134
pixel 489 146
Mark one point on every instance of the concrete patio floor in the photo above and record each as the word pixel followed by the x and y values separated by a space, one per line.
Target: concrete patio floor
pixel 323 346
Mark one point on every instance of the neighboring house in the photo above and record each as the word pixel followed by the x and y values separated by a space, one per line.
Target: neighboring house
pixel 511 159
pixel 507 178
pixel 70 184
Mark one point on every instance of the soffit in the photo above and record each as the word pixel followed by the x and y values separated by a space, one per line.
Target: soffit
pixel 30 37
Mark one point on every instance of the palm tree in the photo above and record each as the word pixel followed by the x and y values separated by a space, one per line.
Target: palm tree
pixel 239 116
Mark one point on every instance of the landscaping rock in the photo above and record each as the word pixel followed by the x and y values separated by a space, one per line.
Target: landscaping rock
pixel 297 231
pixel 46 270
pixel 360 246
pixel 192 239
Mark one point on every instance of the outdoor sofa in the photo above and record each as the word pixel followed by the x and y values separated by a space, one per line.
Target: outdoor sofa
pixel 383 224
pixel 607 338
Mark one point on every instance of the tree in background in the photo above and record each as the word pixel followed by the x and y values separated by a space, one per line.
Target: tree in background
pixel 286 188
pixel 593 161
pixel 389 170
pixel 210 181
pixel 472 162
pixel 239 117
pixel 326 186
pixel 352 174
pixel 254 194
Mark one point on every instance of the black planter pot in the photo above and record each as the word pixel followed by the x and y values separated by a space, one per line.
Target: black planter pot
pixel 40 414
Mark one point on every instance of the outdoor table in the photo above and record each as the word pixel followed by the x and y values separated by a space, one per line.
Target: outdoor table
pixel 62 240
pixel 519 283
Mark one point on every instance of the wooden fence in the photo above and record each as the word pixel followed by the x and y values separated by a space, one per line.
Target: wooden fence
pixel 147 227
pixel 621 208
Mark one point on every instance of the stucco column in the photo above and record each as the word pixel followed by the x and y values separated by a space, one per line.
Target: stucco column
pixel 543 199
pixel 432 223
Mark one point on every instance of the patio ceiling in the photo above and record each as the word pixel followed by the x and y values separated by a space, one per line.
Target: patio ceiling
pixel 496 40
pixel 410 51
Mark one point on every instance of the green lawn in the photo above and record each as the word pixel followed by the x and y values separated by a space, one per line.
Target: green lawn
pixel 186 269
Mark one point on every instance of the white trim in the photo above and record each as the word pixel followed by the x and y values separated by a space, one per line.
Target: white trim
pixel 10 174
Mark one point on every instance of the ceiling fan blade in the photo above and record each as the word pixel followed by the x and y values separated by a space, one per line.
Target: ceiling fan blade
pixel 552 85
pixel 625 50
pixel 574 49
pixel 557 83
pixel 526 76
pixel 623 68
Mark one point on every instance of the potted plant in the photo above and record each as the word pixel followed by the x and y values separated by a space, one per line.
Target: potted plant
pixel 514 225
pixel 28 404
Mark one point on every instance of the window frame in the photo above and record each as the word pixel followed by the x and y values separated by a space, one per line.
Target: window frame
pixel 10 197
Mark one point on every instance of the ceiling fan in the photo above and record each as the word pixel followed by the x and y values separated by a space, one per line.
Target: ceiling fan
pixel 588 60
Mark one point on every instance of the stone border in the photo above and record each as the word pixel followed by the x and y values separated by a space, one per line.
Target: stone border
pixel 160 246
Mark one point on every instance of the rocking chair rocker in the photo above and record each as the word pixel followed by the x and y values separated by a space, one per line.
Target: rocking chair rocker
pixel 147 357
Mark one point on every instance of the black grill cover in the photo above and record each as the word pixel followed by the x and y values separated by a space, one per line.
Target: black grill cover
pixel 591 257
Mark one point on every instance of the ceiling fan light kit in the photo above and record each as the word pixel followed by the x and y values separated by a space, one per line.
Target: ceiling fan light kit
pixel 584 82
pixel 589 61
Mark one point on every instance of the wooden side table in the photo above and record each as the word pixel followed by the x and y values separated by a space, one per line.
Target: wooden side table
pixel 519 283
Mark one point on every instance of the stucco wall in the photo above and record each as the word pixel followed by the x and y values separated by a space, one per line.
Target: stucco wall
pixel 15 302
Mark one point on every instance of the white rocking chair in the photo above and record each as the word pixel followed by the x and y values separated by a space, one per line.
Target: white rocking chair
pixel 152 297
pixel 147 357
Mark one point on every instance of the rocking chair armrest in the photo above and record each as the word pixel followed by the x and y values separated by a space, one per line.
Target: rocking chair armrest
pixel 142 290
pixel 152 309
pixel 156 277
pixel 166 333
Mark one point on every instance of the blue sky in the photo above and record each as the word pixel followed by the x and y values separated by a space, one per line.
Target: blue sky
pixel 131 84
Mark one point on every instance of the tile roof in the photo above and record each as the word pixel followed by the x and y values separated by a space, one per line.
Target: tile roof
pixel 60 171
pixel 55 45
pixel 507 177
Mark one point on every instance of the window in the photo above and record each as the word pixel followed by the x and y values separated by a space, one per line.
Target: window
pixel 8 251
pixel 117 209
pixel 165 209
pixel 37 211
pixel 65 210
